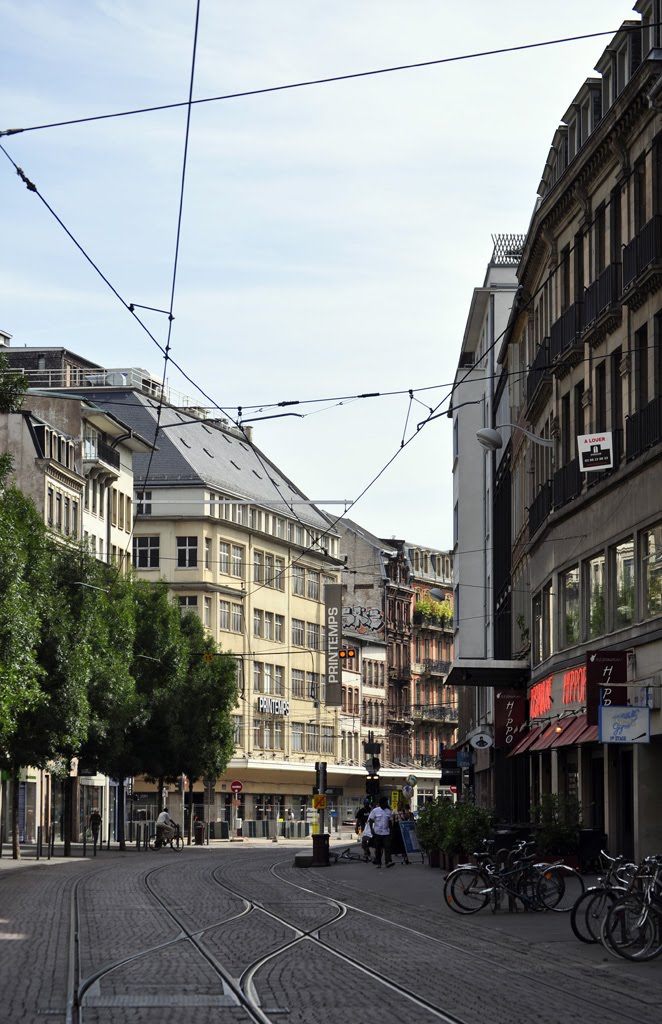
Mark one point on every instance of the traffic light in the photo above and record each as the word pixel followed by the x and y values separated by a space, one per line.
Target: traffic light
pixel 372 782
pixel 347 652
pixel 320 776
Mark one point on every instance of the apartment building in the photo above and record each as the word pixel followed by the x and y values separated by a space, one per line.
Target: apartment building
pixel 587 539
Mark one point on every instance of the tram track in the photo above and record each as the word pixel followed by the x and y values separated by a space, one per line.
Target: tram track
pixel 297 941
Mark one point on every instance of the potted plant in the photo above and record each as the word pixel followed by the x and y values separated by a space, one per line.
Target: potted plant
pixel 558 823
pixel 466 828
pixel 431 825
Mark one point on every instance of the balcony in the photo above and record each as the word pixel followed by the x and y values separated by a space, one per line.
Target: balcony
pixel 539 377
pixel 99 451
pixel 399 714
pixel 642 263
pixel 566 483
pixel 617 440
pixel 602 305
pixel 433 667
pixel 565 343
pixel 434 713
pixel 540 508
pixel 643 429
pixel 400 673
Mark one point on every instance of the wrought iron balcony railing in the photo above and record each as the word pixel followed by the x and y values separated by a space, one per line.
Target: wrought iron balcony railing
pixel 98 451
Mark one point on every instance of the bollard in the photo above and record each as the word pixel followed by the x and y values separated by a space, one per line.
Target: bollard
pixel 38 841
pixel 84 843
pixel 51 840
pixel 137 837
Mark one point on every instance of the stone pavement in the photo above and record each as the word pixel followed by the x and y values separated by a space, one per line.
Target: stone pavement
pixel 501 968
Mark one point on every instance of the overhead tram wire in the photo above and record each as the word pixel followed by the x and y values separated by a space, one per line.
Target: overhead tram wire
pixel 317 81
pixel 166 352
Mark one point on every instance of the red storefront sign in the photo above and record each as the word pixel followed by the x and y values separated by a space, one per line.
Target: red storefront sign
pixel 606 679
pixel 509 717
pixel 540 697
pixel 574 685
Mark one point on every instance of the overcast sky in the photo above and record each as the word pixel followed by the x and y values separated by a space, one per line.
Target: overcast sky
pixel 332 235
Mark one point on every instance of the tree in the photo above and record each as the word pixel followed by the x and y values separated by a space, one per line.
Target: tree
pixel 13 385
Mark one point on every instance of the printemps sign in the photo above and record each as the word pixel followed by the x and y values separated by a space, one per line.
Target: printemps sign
pixel 273 706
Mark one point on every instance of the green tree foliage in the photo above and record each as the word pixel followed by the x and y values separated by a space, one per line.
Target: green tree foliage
pixel 13 386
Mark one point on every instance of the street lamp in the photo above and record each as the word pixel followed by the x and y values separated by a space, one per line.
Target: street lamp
pixel 491 440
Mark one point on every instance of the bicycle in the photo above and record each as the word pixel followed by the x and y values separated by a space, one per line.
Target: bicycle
pixel 590 910
pixel 176 842
pixel 632 927
pixel 538 886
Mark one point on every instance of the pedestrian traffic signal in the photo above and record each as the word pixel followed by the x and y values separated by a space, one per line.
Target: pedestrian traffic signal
pixel 320 776
pixel 372 767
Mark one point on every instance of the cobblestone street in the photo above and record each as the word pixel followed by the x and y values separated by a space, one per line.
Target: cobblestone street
pixel 238 933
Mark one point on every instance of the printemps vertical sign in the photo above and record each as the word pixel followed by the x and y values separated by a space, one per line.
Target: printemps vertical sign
pixel 333 621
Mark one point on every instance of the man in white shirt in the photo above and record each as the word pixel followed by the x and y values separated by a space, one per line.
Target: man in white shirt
pixel 380 821
pixel 165 826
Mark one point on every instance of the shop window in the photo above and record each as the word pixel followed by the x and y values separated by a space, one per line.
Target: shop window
pixel 623 575
pixel 595 587
pixel 570 606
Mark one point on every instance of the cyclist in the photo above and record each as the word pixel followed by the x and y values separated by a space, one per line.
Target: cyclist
pixel 166 827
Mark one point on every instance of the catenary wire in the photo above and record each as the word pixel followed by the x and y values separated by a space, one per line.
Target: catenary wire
pixel 321 81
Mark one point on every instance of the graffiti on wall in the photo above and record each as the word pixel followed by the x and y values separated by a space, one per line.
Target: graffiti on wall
pixel 363 620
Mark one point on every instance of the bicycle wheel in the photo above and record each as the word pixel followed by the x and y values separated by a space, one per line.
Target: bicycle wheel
pixel 466 890
pixel 559 887
pixel 589 912
pixel 633 929
pixel 177 843
pixel 154 843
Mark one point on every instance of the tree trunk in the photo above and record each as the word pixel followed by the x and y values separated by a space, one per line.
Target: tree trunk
pixel 15 783
pixel 67 811
pixel 121 813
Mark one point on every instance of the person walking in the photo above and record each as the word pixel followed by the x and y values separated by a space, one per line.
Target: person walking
pixel 95 827
pixel 404 813
pixel 381 821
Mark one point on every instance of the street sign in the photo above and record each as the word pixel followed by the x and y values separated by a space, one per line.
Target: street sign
pixel 623 725
pixel 319 801
pixel 453 789
pixel 481 741
pixel 606 681
pixel 236 786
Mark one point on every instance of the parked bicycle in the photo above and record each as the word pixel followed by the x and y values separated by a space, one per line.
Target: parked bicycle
pixel 175 842
pixel 537 886
pixel 632 927
pixel 590 910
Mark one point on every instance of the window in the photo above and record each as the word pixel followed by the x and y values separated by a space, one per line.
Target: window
pixel 258 622
pixel 74 518
pixel 298 580
pixel 269 570
pixel 268 625
pixel 207 612
pixel 146 552
pixel 278 734
pixel 267 677
pixel 257 676
pixel 570 606
pixel 312 635
pixel 207 552
pixel 652 571
pixel 623 566
pixel 327 739
pixel 313 585
pixel 237 619
pixel 298 686
pixel 144 503
pixel 312 737
pixel 279 628
pixel 298 632
pixel 237 561
pixel 279 680
pixel 258 567
pixel 190 601
pixel 547 621
pixel 58 510
pixel 296 737
pixel 187 552
pixel 50 498
pixel 224 615
pixel 67 514
pixel 595 585
pixel 237 729
pixel 279 581
pixel 224 558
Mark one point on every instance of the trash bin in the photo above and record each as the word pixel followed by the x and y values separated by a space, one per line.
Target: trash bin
pixel 321 850
pixel 199 833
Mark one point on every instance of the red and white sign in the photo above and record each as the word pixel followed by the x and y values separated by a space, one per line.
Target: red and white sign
pixel 453 789
pixel 236 786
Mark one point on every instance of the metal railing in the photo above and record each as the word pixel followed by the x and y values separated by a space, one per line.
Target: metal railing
pixel 539 371
pixel 643 429
pixel 435 667
pixel 566 483
pixel 644 249
pixel 94 451
pixel 434 712
pixel 540 508
pixel 603 293
pixel 566 330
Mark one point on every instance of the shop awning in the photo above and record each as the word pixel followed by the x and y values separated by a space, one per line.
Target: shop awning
pixel 590 735
pixel 545 739
pixel 525 742
pixel 488 672
pixel 572 730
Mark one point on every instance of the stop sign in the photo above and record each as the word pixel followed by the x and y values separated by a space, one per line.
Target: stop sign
pixel 236 786
pixel 453 789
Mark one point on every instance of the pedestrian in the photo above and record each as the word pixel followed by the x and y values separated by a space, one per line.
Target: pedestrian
pixel 404 813
pixel 95 826
pixel 362 814
pixel 290 815
pixel 380 821
pixel 367 840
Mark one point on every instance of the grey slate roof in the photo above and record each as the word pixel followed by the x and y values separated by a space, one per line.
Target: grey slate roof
pixel 194 452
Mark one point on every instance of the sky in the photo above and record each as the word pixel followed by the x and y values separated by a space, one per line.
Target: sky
pixel 331 235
